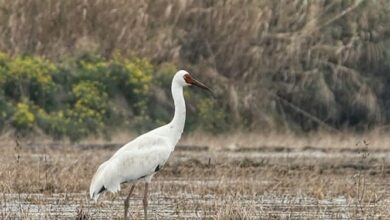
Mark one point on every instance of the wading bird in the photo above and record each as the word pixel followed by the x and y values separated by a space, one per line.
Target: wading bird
pixel 142 157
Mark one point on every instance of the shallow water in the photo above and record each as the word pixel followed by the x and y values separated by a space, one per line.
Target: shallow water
pixel 41 206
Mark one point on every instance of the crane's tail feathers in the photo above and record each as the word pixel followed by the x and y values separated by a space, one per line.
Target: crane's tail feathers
pixel 94 194
pixel 100 184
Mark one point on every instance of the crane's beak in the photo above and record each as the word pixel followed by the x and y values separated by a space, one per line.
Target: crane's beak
pixel 201 85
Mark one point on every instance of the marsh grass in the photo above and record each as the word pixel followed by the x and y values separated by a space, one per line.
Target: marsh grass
pixel 218 183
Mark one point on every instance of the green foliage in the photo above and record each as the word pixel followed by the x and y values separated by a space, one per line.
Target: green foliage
pixel 75 98
pixel 90 95
pixel 23 118
pixel 30 78
pixel 88 111
pixel 56 124
pixel 135 76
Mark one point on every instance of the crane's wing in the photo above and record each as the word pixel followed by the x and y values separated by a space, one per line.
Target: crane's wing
pixel 130 164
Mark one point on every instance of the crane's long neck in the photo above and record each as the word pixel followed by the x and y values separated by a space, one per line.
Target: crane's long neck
pixel 178 121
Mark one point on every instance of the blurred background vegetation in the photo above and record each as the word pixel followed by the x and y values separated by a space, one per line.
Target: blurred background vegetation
pixel 70 69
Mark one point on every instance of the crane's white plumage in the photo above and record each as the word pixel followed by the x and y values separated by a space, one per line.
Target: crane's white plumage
pixel 142 157
pixel 136 160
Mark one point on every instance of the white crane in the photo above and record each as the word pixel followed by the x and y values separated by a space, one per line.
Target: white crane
pixel 142 157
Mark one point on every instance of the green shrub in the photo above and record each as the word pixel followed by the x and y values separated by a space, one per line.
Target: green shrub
pixel 54 124
pixel 135 77
pixel 23 118
pixel 90 95
pixel 83 96
pixel 30 78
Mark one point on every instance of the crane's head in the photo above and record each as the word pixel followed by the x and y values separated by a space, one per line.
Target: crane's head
pixel 185 79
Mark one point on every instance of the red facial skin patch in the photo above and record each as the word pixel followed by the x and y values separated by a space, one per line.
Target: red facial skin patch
pixel 188 78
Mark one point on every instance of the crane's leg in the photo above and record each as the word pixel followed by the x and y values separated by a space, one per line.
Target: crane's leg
pixel 127 200
pixel 145 201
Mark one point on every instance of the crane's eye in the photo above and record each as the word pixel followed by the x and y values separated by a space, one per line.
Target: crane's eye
pixel 188 78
